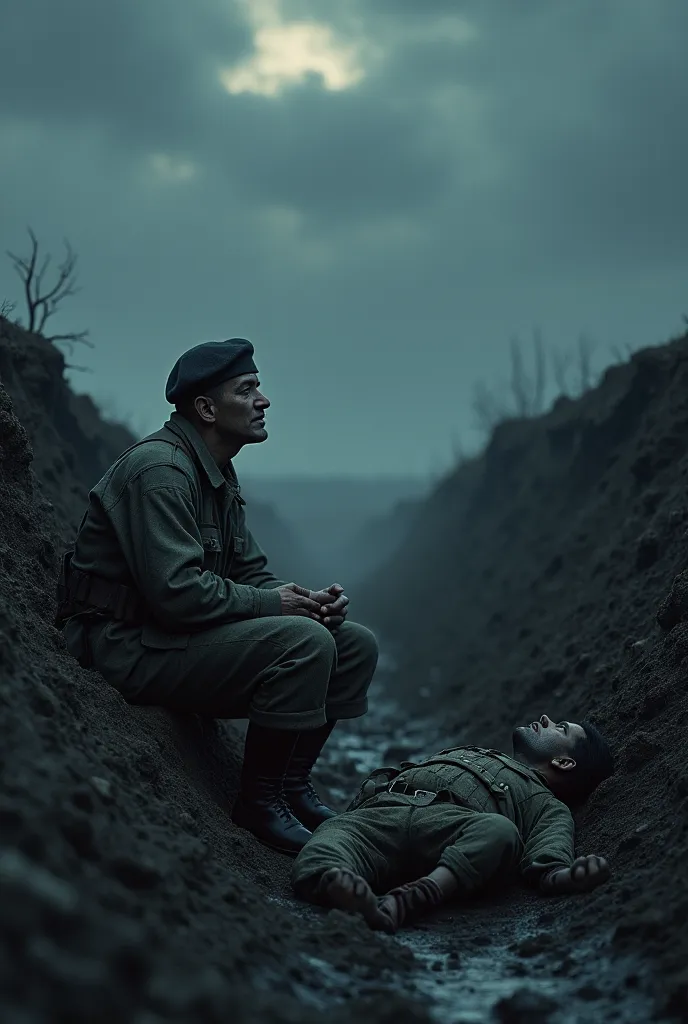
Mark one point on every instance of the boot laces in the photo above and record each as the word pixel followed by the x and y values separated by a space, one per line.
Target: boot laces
pixel 312 793
pixel 304 786
pixel 283 809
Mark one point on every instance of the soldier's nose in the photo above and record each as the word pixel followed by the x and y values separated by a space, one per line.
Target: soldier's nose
pixel 544 721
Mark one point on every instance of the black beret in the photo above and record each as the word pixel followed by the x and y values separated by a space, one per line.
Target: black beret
pixel 207 365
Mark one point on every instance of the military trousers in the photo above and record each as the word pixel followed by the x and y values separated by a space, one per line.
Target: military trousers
pixel 388 841
pixel 284 672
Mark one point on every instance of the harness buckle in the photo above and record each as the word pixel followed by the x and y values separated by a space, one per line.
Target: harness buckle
pixel 405 790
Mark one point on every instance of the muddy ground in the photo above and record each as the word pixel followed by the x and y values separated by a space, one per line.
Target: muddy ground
pixel 127 895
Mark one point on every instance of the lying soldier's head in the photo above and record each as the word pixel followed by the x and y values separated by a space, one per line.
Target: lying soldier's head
pixel 574 758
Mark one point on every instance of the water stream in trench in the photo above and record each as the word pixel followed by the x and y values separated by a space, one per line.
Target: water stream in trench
pixel 485 962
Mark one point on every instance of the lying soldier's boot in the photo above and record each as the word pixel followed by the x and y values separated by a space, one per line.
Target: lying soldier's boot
pixel 407 903
pixel 260 807
pixel 344 890
pixel 299 791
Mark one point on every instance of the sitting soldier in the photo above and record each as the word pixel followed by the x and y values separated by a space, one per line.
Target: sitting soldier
pixel 464 817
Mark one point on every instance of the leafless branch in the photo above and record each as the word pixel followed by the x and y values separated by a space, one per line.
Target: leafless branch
pixel 585 375
pixel 82 369
pixel 621 353
pixel 487 410
pixel 528 391
pixel 519 384
pixel 561 363
pixel 6 308
pixel 81 336
pixel 540 363
pixel 43 301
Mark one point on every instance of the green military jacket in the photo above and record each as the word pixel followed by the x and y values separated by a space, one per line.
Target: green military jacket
pixel 489 781
pixel 168 522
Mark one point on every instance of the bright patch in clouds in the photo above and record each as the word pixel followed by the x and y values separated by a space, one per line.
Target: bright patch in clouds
pixel 170 168
pixel 286 52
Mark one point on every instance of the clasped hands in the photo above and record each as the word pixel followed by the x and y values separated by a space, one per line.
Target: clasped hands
pixel 329 606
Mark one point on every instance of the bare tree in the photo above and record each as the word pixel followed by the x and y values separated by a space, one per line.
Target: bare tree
pixel 540 374
pixel 43 301
pixel 6 308
pixel 621 353
pixel 561 364
pixel 585 374
pixel 528 391
pixel 488 411
pixel 520 385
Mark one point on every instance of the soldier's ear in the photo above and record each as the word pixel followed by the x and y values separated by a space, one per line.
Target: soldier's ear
pixel 563 764
pixel 204 408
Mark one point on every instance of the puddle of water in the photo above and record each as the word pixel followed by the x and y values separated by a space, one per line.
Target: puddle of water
pixel 467 990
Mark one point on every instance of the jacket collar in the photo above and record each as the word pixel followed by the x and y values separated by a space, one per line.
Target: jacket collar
pixel 179 425
pixel 520 767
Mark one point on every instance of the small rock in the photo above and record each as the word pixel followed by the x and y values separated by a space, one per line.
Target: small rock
pixel 525 1007
pixel 103 787
pixel 188 822
pixel 636 648
pixel 674 607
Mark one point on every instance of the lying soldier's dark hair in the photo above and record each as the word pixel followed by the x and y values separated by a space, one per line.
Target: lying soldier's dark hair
pixel 594 764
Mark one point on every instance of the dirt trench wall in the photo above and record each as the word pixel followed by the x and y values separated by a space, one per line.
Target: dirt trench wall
pixel 530 584
pixel 125 892
pixel 108 841
pixel 72 444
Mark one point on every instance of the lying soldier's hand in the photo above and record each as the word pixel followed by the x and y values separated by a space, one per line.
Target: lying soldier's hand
pixel 585 873
pixel 334 605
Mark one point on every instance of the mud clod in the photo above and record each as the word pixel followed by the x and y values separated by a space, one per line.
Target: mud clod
pixel 525 1007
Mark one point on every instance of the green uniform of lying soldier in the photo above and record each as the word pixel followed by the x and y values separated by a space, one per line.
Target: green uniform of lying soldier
pixel 461 819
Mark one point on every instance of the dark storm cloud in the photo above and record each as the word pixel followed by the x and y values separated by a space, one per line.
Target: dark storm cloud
pixel 335 156
pixel 140 70
pixel 146 74
pixel 499 163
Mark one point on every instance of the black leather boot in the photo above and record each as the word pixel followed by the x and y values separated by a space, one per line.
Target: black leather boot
pixel 298 788
pixel 260 806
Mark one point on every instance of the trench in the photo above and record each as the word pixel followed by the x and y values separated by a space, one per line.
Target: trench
pixel 507 959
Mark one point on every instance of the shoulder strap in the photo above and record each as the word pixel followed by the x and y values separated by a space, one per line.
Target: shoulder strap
pixel 170 436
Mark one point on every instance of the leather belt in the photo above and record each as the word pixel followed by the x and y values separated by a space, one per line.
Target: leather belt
pixel 404 789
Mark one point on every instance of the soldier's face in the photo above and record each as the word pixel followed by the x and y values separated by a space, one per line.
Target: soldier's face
pixel 240 411
pixel 543 740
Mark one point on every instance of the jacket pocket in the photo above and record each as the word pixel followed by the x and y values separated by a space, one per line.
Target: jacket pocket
pixel 157 638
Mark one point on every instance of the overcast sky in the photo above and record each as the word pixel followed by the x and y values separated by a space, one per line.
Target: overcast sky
pixel 378 193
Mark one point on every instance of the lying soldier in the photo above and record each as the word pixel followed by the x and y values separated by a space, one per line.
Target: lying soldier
pixel 462 818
